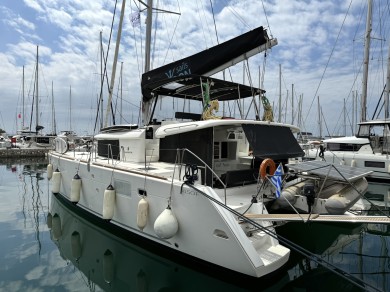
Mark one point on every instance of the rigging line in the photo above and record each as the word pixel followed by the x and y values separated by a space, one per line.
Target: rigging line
pixel 135 45
pixel 105 64
pixel 173 35
pixel 215 25
pixel 236 14
pixel 266 17
pixel 299 249
pixel 327 63
pixel 203 32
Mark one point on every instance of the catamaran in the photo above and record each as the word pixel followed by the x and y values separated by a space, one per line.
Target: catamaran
pixel 188 184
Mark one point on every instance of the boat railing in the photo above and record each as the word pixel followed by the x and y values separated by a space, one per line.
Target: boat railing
pixel 181 152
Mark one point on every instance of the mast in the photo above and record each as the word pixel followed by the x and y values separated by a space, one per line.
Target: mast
pixel 280 94
pixel 366 61
pixel 101 80
pixel 148 34
pixel 387 86
pixel 70 107
pixel 36 95
pixel 319 116
pixel 53 122
pixel 292 104
pixel 118 38
pixel 121 111
pixel 146 105
pixel 23 100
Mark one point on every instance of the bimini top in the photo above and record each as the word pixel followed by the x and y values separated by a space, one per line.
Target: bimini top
pixel 190 87
pixel 204 63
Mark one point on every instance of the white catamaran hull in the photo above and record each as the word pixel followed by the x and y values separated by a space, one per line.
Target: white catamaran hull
pixel 205 230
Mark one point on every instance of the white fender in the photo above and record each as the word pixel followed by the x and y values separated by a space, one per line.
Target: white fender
pixel 56 230
pixel 109 203
pixel 142 213
pixel 388 169
pixel 166 224
pixel 75 189
pixel 342 162
pixel 353 163
pixel 56 181
pixel 75 243
pixel 108 266
pixel 49 171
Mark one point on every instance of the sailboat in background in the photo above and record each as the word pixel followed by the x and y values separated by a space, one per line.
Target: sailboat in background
pixel 28 137
pixel 370 147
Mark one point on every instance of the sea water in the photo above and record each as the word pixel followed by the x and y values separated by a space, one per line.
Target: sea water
pixel 47 246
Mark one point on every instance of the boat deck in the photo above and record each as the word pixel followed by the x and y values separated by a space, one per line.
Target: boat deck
pixel 321 218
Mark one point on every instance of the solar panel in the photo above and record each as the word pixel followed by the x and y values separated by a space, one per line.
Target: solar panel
pixel 338 172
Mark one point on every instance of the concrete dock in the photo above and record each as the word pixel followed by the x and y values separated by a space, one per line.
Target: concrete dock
pixel 23 152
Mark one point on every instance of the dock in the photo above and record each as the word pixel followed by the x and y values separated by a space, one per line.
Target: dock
pixel 23 152
pixel 320 218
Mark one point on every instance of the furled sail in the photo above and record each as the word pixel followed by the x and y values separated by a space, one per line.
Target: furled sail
pixel 209 61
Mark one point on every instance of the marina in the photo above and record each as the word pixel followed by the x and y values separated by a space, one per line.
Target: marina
pixel 23 152
pixel 195 171
pixel 84 255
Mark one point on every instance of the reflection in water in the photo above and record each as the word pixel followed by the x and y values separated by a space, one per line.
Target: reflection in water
pixel 30 175
pixel 358 249
pixel 29 172
pixel 113 263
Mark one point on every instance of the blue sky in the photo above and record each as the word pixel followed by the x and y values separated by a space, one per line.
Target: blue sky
pixel 320 51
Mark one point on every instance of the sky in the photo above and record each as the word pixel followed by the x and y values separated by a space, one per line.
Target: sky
pixel 320 53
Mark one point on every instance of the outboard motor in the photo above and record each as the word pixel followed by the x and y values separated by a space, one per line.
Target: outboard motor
pixel 309 192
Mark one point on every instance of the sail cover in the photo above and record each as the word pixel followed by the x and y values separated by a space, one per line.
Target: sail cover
pixel 205 62
pixel 190 87
pixel 272 141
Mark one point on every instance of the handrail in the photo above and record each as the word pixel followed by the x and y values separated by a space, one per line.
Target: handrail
pixel 205 166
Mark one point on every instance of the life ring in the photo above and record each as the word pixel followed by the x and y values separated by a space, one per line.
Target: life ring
pixel 269 164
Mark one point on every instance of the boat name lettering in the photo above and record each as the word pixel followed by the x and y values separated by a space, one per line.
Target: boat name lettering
pixel 182 69
pixel 190 192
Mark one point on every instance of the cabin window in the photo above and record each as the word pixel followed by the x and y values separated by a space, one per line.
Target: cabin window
pixel 377 164
pixel 225 150
pixel 364 131
pixel 342 147
pixel 109 149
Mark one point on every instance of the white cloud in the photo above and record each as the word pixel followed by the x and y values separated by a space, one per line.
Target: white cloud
pixel 68 36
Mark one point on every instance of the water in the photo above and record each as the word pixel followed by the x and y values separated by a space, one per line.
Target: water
pixel 63 250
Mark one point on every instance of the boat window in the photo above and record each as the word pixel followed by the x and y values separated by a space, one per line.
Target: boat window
pixel 378 164
pixel 364 131
pixel 342 147
pixel 109 149
pixel 225 150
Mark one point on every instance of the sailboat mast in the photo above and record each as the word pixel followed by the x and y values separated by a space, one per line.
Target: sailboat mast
pixel 36 95
pixel 23 100
pixel 148 38
pixel 280 94
pixel 101 80
pixel 148 34
pixel 70 108
pixel 387 86
pixel 118 38
pixel 366 61
pixel 53 122
pixel 121 113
